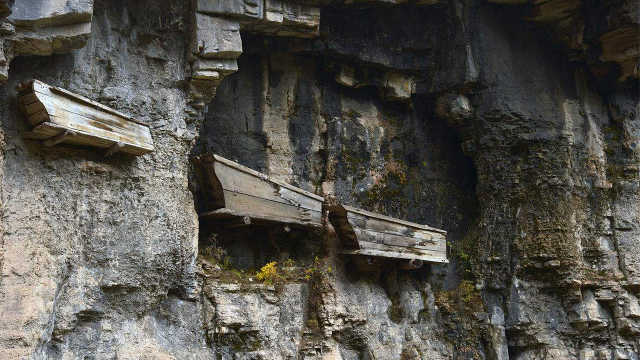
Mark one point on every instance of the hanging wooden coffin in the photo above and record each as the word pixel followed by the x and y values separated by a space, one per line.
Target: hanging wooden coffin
pixel 231 190
pixel 365 233
pixel 60 116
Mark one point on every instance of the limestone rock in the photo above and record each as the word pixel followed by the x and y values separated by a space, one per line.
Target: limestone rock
pixel 216 37
pixel 346 76
pixel 631 307
pixel 5 8
pixel 285 18
pixel 48 13
pixel 257 322
pixel 455 108
pixel 622 46
pixel 213 69
pixel 589 312
pixel 105 257
pixel 252 9
pixel 392 86
pixel 47 41
pixel 497 336
pixel 397 86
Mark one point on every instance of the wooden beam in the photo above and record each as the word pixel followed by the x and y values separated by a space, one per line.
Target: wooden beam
pixel 366 233
pixel 64 135
pixel 394 255
pixel 93 124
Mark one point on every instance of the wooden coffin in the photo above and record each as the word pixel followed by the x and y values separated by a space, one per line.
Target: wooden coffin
pixel 60 116
pixel 231 190
pixel 365 233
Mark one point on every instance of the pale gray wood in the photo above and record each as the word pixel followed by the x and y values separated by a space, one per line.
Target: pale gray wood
pixel 366 233
pixel 246 192
pixel 217 38
pixel 399 249
pixel 225 214
pixel 396 255
pixel 50 109
pixel 249 193
pixel 55 140
pixel 397 240
pixel 372 215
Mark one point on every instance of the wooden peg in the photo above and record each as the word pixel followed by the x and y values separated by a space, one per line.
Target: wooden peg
pixel 57 139
pixel 114 149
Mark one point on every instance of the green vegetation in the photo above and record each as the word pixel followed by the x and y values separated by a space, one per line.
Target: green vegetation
pixel 390 185
pixel 268 274
pixel 459 307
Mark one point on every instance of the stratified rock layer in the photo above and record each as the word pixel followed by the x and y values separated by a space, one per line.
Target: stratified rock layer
pixel 513 126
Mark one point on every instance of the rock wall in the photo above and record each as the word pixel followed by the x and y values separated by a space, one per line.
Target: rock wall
pixel 513 126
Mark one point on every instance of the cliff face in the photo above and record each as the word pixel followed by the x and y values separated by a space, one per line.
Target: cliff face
pixel 513 126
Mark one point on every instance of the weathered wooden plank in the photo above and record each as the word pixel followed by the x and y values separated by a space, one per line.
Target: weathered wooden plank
pixel 224 215
pixel 254 205
pixel 379 235
pixel 40 87
pixel 387 227
pixel 240 179
pixel 395 255
pixel 399 250
pixel 300 199
pixel 51 109
pixel 65 108
pixel 241 169
pixel 374 216
pixel 47 129
pixel 89 127
pixel 237 180
pixel 397 240
pixel 245 191
pixel 39 117
pixel 64 135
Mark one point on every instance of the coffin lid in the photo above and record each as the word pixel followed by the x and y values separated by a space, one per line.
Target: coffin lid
pixel 265 177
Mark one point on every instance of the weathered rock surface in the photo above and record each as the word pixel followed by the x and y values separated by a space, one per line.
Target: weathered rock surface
pixel 514 126
pixel 43 27
pixel 600 34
